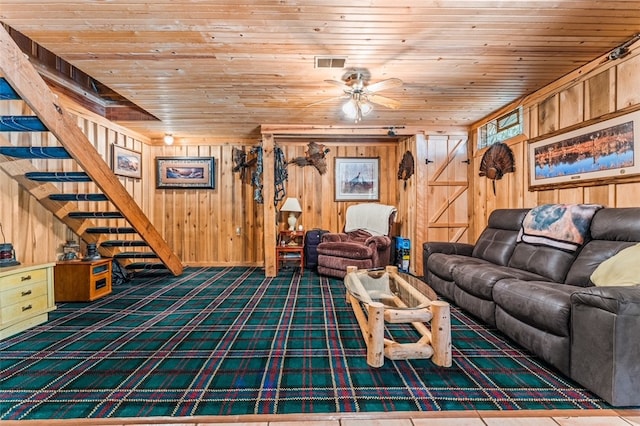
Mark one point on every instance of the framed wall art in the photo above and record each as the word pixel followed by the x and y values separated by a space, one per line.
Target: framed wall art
pixel 357 179
pixel 594 154
pixel 185 172
pixel 126 162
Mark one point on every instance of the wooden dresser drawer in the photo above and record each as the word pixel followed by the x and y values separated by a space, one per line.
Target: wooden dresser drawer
pixel 23 310
pixel 26 297
pixel 21 278
pixel 22 293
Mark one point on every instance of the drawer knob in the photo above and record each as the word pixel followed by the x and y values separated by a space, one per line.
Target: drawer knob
pixel 26 293
pixel 26 308
pixel 25 278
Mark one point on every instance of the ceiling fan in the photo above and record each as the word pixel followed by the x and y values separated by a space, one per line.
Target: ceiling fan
pixel 360 94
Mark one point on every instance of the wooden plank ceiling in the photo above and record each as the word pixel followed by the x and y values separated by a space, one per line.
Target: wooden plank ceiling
pixel 217 70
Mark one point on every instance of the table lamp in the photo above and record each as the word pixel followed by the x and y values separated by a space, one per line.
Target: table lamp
pixel 292 206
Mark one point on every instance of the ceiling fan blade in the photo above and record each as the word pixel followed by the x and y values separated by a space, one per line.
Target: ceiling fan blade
pixel 386 102
pixel 384 85
pixel 333 99
pixel 340 84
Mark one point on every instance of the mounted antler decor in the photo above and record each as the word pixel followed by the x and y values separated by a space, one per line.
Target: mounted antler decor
pixel 314 156
pixel 497 161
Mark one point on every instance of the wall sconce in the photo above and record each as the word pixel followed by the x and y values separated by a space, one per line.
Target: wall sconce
pixel 168 139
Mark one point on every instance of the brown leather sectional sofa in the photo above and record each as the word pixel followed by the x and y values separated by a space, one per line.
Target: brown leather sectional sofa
pixel 543 298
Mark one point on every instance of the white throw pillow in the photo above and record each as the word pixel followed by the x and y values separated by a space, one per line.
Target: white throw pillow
pixel 619 270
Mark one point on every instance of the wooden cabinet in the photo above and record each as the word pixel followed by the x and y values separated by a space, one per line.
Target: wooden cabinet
pixel 82 281
pixel 290 249
pixel 26 297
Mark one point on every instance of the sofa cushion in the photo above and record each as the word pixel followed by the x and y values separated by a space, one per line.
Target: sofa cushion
pixel 479 281
pixel 590 257
pixel 548 262
pixel 542 305
pixel 497 241
pixel 619 270
pixel 443 264
pixel 350 250
pixel 619 224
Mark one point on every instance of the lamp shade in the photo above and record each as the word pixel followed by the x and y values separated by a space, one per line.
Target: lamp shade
pixel 291 205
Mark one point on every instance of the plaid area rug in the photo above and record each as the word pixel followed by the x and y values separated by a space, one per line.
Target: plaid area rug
pixel 228 341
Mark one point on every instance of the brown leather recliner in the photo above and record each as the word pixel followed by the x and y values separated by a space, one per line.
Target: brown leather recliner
pixel 365 242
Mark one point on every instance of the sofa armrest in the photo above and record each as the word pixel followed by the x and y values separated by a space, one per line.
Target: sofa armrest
pixel 334 237
pixel 445 248
pixel 622 300
pixel 605 349
pixel 381 242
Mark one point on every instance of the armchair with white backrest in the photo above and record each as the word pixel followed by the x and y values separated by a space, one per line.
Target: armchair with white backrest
pixel 365 242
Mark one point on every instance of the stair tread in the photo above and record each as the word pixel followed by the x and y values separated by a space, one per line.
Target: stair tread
pixel 145 265
pixel 34 151
pixel 136 255
pixel 21 123
pixel 111 230
pixel 124 243
pixel 95 215
pixel 78 197
pixel 6 91
pixel 58 176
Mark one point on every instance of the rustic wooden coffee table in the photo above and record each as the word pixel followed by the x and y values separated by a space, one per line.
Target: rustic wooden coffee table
pixel 394 297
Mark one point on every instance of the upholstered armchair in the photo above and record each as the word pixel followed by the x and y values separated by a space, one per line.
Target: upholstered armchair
pixel 365 242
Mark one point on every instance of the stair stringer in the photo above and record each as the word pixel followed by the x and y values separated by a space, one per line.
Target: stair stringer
pixel 26 81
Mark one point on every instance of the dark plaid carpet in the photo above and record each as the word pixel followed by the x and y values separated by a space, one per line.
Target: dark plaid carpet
pixel 227 341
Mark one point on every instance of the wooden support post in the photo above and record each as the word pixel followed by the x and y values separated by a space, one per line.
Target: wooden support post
pixel 269 210
pixel 375 337
pixel 441 333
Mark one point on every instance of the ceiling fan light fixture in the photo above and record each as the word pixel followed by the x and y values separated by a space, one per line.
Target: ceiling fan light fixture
pixel 350 109
pixel 365 108
pixel 356 108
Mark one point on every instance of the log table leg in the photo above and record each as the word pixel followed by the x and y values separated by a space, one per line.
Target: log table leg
pixel 441 333
pixel 375 343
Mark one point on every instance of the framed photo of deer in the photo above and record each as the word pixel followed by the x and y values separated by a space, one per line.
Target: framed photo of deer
pixel 594 154
pixel 357 179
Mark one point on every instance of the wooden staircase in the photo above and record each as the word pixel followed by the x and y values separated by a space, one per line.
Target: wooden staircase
pixel 22 81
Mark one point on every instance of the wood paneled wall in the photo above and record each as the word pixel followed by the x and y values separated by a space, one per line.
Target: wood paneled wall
pixel 316 192
pixel 203 225
pixel 612 87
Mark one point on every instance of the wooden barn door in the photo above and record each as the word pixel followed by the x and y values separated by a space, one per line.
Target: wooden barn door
pixel 443 211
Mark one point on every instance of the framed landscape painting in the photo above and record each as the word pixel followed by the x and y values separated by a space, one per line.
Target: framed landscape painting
pixel 595 154
pixel 357 179
pixel 126 162
pixel 185 172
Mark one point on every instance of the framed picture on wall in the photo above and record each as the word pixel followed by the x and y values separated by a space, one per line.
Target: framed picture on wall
pixel 185 172
pixel 357 179
pixel 603 151
pixel 126 162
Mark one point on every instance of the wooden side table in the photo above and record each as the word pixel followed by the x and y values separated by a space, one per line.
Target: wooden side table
pixel 290 249
pixel 82 280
